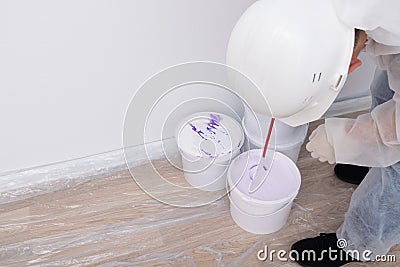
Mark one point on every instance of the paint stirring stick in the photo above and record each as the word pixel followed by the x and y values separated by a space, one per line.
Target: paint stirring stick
pixel 271 126
pixel 262 170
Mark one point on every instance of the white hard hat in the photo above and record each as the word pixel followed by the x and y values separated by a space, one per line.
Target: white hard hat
pixel 297 52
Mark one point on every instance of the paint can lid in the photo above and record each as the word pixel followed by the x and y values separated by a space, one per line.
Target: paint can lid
pixel 209 135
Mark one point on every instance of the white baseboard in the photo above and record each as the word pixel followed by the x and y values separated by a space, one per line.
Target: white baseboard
pixel 40 180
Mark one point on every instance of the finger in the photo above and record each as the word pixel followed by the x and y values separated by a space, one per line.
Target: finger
pixel 314 155
pixel 309 147
pixel 322 159
pixel 313 134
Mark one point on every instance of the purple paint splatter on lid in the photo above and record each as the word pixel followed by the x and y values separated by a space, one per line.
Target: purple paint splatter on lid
pixel 215 117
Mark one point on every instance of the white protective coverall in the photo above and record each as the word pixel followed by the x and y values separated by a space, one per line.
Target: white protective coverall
pixel 373 219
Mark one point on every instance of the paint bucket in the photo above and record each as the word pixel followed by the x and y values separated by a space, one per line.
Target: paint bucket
pixel 258 125
pixel 208 142
pixel 261 224
pixel 267 209
pixel 288 146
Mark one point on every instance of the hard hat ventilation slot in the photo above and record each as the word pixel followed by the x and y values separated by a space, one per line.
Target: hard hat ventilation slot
pixel 339 81
pixel 319 76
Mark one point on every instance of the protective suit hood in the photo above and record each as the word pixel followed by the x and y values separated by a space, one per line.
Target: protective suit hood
pixel 380 19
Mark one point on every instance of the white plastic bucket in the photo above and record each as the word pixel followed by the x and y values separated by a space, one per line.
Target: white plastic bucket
pixel 261 224
pixel 208 142
pixel 258 125
pixel 272 200
pixel 290 148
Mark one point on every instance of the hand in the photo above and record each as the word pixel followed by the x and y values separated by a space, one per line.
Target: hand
pixel 319 146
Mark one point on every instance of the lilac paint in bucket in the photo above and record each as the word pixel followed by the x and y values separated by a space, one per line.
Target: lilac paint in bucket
pixel 271 203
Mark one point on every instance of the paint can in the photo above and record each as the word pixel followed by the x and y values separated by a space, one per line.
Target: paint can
pixel 267 209
pixel 258 125
pixel 208 142
pixel 290 148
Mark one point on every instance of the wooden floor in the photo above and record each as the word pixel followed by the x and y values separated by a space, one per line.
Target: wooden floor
pixel 110 222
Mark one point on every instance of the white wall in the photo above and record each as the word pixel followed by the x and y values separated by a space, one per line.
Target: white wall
pixel 68 68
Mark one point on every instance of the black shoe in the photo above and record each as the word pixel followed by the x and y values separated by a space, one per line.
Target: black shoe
pixel 321 251
pixel 350 173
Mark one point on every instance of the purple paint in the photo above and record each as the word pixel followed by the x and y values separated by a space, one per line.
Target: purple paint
pixel 265 168
pixel 212 128
pixel 213 124
pixel 207 153
pixel 215 117
pixel 199 132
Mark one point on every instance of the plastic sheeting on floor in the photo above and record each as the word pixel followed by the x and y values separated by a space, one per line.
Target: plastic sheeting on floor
pixel 109 221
